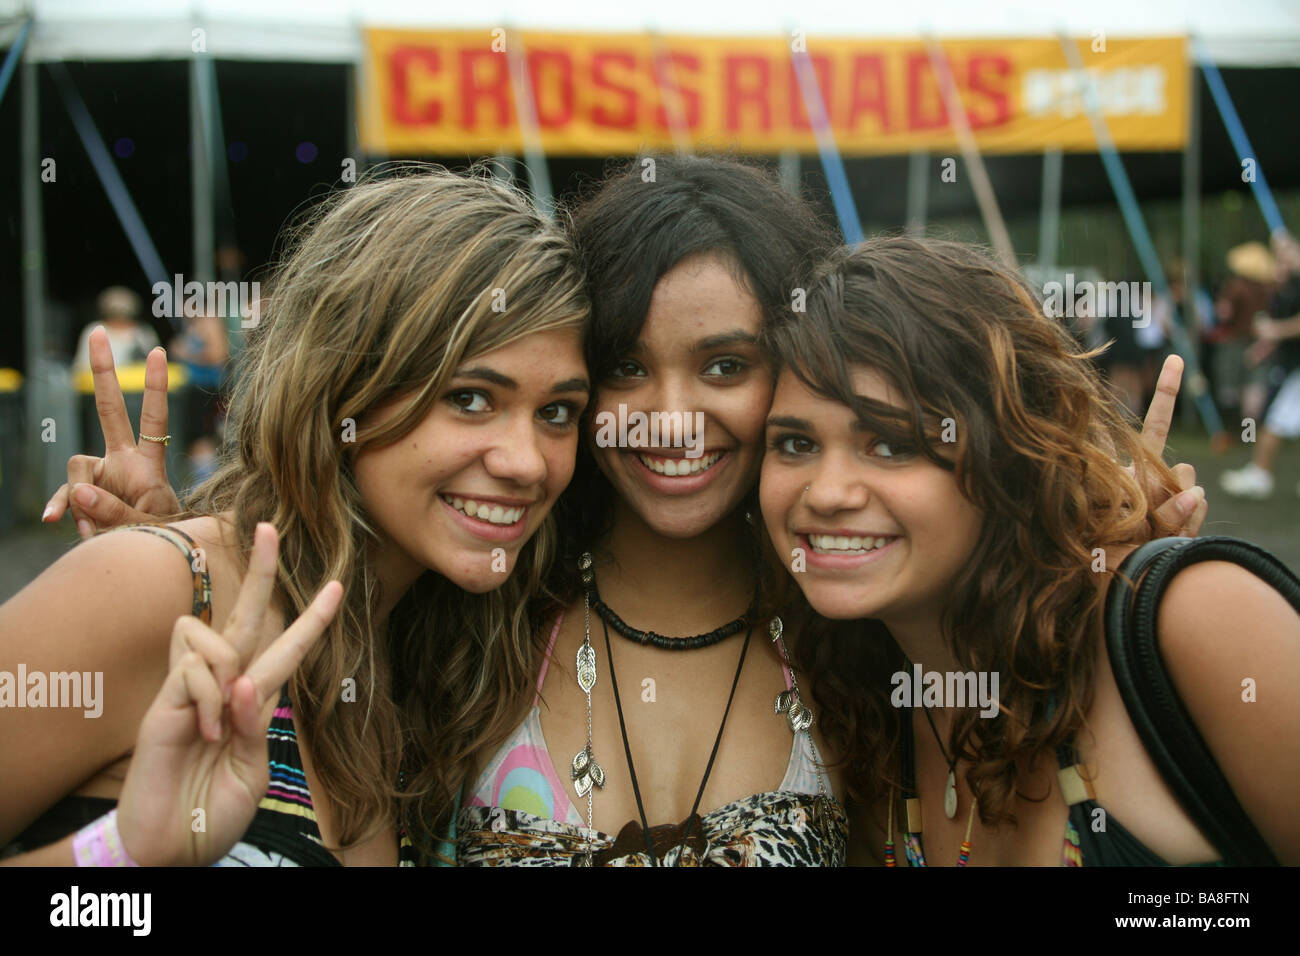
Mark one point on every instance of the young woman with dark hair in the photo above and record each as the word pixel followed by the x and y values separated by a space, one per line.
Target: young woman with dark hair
pixel 949 468
pixel 684 270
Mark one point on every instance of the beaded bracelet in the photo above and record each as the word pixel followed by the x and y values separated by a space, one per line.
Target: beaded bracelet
pixel 99 844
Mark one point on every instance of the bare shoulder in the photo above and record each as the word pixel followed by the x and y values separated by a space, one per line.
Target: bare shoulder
pixel 1216 613
pixel 100 619
pixel 1232 647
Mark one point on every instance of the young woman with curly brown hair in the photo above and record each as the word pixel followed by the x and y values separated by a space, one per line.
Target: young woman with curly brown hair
pixel 949 471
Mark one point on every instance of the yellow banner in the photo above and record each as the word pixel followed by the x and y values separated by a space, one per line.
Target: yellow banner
pixel 458 93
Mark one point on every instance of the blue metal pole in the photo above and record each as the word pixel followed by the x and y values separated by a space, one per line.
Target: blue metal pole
pixel 832 163
pixel 1137 231
pixel 11 61
pixel 1240 142
pixel 110 178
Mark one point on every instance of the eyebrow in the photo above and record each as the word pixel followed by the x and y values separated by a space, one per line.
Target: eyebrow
pixel 572 385
pixel 803 425
pixel 736 337
pixel 496 378
pixel 722 340
pixel 785 421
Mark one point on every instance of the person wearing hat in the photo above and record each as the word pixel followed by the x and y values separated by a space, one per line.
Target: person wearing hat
pixel 1244 294
pixel 1277 350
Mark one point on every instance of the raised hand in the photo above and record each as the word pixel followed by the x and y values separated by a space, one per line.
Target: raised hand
pixel 202 743
pixel 1187 509
pixel 129 484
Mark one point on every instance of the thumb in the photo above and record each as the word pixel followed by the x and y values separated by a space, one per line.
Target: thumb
pixel 106 510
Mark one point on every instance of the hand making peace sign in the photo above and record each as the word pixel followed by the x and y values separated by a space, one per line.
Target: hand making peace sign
pixel 202 743
pixel 135 471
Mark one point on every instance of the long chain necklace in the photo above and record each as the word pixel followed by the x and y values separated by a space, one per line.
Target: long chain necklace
pixel 912 803
pixel 587 774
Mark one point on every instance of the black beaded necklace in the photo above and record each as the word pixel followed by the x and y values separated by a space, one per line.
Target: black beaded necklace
pixel 658 640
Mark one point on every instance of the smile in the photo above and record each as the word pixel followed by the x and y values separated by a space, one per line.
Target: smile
pixel 485 511
pixel 843 544
pixel 679 467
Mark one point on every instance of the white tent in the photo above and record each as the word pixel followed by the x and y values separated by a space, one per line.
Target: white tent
pixel 1264 33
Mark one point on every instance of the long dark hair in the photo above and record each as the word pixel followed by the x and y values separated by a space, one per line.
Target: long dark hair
pixel 630 231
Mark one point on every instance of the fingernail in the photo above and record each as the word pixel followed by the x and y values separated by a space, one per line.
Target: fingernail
pixel 48 510
pixel 1189 499
pixel 84 528
pixel 85 495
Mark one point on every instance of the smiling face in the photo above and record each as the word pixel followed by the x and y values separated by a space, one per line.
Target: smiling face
pixel 482 469
pixel 697 353
pixel 884 530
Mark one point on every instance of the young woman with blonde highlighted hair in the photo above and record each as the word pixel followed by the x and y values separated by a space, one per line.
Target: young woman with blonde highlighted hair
pixel 404 419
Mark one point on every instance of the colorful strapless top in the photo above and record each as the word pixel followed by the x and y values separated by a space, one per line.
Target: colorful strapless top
pixel 519 812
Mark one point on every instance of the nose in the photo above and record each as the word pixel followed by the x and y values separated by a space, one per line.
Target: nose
pixel 668 394
pixel 516 455
pixel 835 486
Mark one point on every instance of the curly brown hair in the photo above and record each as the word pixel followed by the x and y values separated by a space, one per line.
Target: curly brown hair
pixel 1041 449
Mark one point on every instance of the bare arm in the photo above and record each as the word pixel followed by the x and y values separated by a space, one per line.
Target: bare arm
pixel 102 616
pixel 1232 645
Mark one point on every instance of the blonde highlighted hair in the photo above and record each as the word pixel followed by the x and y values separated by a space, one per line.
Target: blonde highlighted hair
pixel 388 287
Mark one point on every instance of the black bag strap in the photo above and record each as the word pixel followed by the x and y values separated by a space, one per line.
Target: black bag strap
pixel 1167 730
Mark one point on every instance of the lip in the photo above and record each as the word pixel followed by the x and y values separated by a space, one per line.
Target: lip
pixel 485 529
pixel 840 562
pixel 665 485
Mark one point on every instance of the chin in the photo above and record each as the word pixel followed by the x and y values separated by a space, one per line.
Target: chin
pixel 683 526
pixel 840 603
pixel 473 573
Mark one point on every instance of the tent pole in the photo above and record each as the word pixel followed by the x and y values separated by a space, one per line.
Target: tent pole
pixel 1240 141
pixel 36 399
pixel 790 171
pixel 832 163
pixel 1192 209
pixel 13 58
pixel 109 177
pixel 539 177
pixel 351 133
pixel 1049 215
pixel 672 100
pixel 203 248
pixel 1137 230
pixel 984 196
pixel 918 191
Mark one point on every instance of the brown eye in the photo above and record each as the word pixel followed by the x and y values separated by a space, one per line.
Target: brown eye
pixel 726 367
pixel 469 400
pixel 558 413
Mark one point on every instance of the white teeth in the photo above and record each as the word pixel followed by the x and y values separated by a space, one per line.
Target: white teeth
pixel 492 514
pixel 841 544
pixel 677 467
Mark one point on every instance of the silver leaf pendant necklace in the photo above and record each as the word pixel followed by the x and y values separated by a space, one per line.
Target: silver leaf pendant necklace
pixel 586 772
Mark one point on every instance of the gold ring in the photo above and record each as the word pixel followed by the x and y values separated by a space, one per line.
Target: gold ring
pixel 164 440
